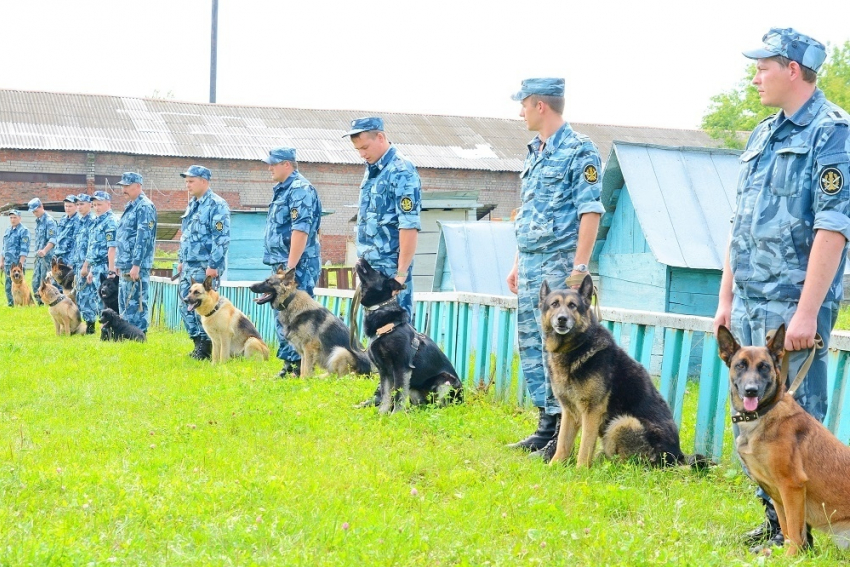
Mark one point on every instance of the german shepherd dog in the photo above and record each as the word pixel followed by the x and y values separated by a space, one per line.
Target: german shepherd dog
pixel 315 333
pixel 412 367
pixel 230 330
pixel 601 389
pixel 114 328
pixel 21 292
pixel 62 273
pixel 108 292
pixel 790 454
pixel 66 316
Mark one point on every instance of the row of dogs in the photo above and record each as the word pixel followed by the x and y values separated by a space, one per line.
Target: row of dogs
pixel 603 392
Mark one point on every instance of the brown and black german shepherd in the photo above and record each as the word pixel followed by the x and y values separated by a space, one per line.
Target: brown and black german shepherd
pixel 21 292
pixel 230 330
pixel 601 389
pixel 791 455
pixel 319 336
pixel 66 316
pixel 62 273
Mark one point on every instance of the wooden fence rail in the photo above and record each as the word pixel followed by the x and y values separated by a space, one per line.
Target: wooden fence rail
pixel 478 334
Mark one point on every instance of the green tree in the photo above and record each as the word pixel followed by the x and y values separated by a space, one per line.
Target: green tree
pixel 734 113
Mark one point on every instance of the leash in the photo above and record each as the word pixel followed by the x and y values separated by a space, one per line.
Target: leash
pixel 804 369
pixel 353 331
pixel 577 281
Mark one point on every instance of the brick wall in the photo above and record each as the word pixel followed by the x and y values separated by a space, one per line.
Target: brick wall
pixel 242 183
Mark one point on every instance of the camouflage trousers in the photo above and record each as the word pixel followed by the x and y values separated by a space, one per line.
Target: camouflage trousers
pixel 191 319
pixel 98 270
pixel 7 268
pixel 533 269
pixel 39 272
pixel 405 296
pixel 133 299
pixel 753 319
pixel 88 300
pixel 306 275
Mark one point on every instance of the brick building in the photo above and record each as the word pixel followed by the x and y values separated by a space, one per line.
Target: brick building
pixel 52 144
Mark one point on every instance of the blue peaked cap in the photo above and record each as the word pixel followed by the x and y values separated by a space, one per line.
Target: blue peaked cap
pixel 278 155
pixel 793 45
pixel 101 196
pixel 129 178
pixel 547 87
pixel 367 124
pixel 197 171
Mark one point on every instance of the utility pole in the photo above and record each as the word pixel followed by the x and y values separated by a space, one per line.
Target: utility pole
pixel 213 49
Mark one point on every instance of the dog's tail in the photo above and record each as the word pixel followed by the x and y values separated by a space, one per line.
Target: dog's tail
pixel 256 346
pixel 80 330
pixel 343 360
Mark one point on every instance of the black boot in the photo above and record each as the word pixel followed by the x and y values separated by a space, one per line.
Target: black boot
pixel 203 349
pixel 768 533
pixel 546 430
pixel 547 452
pixel 291 369
pixel 89 327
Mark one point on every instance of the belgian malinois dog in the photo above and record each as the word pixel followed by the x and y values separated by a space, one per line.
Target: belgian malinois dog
pixel 601 389
pixel 317 335
pixel 230 330
pixel 21 292
pixel 790 454
pixel 66 316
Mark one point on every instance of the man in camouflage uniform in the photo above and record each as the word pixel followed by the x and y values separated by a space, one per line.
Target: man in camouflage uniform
pixel 388 218
pixel 87 296
pixel 46 234
pixel 136 242
pixel 203 248
pixel 67 230
pixel 555 230
pixel 16 246
pixel 100 255
pixel 292 236
pixel 790 230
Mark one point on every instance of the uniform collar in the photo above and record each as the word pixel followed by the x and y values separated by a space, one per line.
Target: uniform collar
pixel 285 184
pixel 554 140
pixel 806 113
pixel 203 198
pixel 135 201
pixel 385 159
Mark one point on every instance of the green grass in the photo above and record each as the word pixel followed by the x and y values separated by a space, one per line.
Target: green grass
pixel 134 454
pixel 843 322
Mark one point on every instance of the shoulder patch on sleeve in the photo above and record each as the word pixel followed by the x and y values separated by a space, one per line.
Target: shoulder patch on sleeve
pixel 150 224
pixel 293 213
pixel 219 226
pixel 406 204
pixel 591 174
pixel 831 180
pixel 110 235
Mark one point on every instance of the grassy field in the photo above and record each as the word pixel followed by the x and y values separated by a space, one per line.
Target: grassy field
pixel 134 454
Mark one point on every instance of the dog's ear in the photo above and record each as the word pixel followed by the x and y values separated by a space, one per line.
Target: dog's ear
pixel 776 344
pixel 102 278
pixel 726 344
pixel 208 283
pixel 544 291
pixel 281 271
pixel 53 262
pixel 289 276
pixel 586 288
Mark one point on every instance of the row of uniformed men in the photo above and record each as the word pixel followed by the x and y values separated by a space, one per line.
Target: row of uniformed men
pixel 93 244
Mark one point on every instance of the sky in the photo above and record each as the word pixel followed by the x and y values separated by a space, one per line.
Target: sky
pixel 626 62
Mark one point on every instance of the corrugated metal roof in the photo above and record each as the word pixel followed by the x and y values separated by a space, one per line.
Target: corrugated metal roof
pixel 683 198
pixel 158 127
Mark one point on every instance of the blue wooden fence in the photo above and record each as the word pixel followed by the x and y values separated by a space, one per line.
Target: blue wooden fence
pixel 478 334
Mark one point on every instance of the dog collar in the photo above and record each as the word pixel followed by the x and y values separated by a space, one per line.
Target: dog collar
pixel 378 306
pixel 58 300
pixel 753 415
pixel 216 308
pixel 381 331
pixel 286 302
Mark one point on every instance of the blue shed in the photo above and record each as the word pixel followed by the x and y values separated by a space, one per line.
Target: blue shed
pixel 475 257
pixel 663 237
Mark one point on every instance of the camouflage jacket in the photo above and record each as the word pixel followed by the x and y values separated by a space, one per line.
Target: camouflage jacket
pixel 136 235
pixel 793 181
pixel 559 184
pixel 67 230
pixel 16 243
pixel 81 247
pixel 101 237
pixel 389 201
pixel 46 232
pixel 206 232
pixel 295 206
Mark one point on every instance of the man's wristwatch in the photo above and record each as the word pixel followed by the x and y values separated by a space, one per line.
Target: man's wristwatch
pixel 580 268
pixel 401 275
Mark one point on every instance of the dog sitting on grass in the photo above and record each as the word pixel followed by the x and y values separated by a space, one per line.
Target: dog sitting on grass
pixel 65 314
pixel 21 292
pixel 114 328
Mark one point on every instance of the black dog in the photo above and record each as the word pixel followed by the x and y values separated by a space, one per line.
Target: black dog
pixel 108 291
pixel 114 328
pixel 411 366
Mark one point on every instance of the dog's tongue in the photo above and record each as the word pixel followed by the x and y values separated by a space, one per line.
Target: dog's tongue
pixel 751 403
pixel 190 307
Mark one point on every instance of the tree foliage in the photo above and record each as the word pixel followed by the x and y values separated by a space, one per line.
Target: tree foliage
pixel 735 112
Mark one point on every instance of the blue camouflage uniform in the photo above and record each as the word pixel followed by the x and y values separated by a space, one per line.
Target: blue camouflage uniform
pixel 389 201
pixel 16 243
pixel 793 182
pixel 102 237
pixel 136 241
pixel 203 244
pixel 295 206
pixel 67 229
pixel 559 185
pixel 46 232
pixel 87 296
